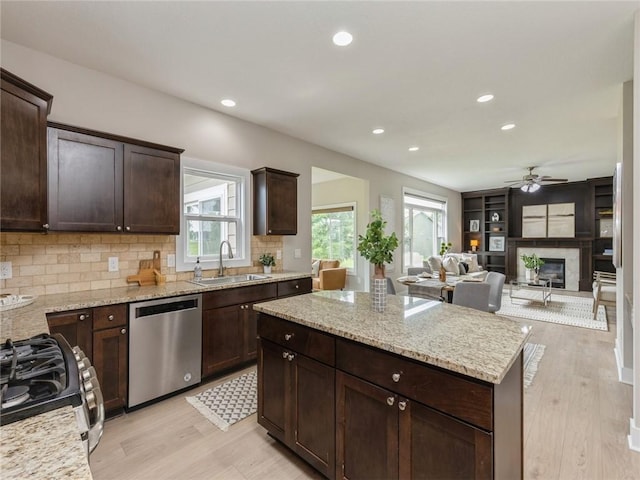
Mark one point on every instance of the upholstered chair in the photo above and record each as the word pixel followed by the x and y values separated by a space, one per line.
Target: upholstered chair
pixel 604 291
pixel 472 295
pixel 496 282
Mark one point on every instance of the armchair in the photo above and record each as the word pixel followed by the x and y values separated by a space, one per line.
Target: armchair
pixel 604 291
pixel 330 276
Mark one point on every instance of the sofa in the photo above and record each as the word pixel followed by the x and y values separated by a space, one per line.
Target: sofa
pixel 328 275
pixel 456 264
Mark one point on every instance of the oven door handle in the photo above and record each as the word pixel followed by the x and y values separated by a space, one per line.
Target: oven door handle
pixel 95 432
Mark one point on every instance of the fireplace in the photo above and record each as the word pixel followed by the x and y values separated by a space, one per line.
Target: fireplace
pixel 553 269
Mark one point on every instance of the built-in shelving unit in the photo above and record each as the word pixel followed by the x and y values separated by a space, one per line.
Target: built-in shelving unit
pixel 602 224
pixel 485 219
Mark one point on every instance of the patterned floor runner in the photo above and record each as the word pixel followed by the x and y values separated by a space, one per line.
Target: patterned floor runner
pixel 564 309
pixel 532 355
pixel 229 402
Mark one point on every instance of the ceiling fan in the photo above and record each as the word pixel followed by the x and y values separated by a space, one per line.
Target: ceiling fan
pixel 531 182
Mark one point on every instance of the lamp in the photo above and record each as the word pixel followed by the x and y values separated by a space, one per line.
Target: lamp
pixel 474 244
pixel 530 187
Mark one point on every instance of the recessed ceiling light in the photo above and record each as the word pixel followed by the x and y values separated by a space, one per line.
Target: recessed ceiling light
pixel 414 149
pixel 377 131
pixel 227 102
pixel 485 98
pixel 342 39
pixel 508 126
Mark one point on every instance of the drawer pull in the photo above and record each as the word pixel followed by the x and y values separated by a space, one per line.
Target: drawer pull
pixel 123 331
pixel 84 317
pixel 285 355
pixel 402 405
pixel 110 318
pixel 390 401
pixel 395 377
pixel 297 286
pixel 288 336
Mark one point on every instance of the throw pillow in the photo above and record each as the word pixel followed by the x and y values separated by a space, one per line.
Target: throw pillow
pixel 426 266
pixel 315 267
pixel 434 263
pixel 472 261
pixel 451 265
pixel 464 268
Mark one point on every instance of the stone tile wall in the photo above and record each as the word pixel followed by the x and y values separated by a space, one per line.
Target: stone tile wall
pixel 61 263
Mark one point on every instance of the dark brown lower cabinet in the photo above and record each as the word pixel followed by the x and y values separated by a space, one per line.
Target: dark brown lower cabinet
pixel 222 340
pixel 296 398
pixel 384 435
pixel 110 361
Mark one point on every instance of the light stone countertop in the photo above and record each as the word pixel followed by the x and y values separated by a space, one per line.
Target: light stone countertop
pixel 48 446
pixel 477 344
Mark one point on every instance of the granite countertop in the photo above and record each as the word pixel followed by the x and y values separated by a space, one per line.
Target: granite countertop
pixel 474 343
pixel 48 446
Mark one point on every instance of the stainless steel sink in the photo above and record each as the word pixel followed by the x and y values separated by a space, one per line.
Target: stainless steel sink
pixel 231 279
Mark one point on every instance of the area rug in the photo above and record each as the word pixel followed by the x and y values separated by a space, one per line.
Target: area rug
pixel 532 355
pixel 228 402
pixel 563 309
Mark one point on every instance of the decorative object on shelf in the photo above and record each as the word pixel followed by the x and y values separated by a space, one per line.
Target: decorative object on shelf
pixel 474 245
pixel 606 227
pixel 378 249
pixel 532 263
pixel 267 261
pixel 495 217
pixel 474 225
pixel 496 244
pixel 496 229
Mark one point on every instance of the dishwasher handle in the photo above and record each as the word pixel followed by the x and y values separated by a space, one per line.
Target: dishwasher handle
pixel 166 307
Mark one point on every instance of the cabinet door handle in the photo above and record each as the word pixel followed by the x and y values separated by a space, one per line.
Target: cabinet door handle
pixel 128 229
pixel 110 318
pixel 119 228
pixel 123 331
pixel 291 356
pixel 285 355
pixel 269 231
pixel 84 317
pixel 297 286
pixel 395 377
pixel 45 226
pixel 390 401
pixel 402 405
pixel 288 336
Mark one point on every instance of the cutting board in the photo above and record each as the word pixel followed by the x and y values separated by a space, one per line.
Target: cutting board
pixel 147 271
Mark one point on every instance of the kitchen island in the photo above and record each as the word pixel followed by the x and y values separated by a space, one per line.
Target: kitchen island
pixel 423 389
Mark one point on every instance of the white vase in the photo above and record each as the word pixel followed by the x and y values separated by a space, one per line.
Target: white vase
pixel 266 268
pixel 379 294
pixel 528 274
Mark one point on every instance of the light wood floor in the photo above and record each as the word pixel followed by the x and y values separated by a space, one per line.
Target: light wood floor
pixel 575 426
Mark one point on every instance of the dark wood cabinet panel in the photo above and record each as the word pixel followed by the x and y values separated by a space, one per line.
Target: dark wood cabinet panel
pixel 250 333
pixel 275 202
pixel 110 348
pixel 297 286
pixel 296 399
pixel 222 339
pixel 76 326
pixel 366 430
pixel 85 182
pixel 151 190
pixel 23 183
pixel 105 183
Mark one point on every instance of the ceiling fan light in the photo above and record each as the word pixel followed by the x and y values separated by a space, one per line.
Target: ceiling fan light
pixel 530 187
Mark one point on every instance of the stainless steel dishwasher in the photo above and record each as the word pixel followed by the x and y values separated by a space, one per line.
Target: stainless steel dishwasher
pixel 165 347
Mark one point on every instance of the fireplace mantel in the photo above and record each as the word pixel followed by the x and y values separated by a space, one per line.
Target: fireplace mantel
pixel 584 244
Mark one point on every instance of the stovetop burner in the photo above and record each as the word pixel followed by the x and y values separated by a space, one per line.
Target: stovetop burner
pixel 36 375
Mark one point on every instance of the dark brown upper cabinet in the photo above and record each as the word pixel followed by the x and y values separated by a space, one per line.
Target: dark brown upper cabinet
pixel 105 183
pixel 275 202
pixel 23 187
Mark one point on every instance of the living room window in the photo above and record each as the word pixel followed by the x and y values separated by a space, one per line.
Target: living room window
pixel 424 227
pixel 333 234
pixel 213 210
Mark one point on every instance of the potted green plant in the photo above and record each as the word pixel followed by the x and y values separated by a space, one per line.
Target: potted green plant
pixel 267 261
pixel 375 246
pixel 532 263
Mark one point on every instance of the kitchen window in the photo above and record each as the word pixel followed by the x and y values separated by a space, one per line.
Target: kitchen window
pixel 214 209
pixel 333 234
pixel 425 220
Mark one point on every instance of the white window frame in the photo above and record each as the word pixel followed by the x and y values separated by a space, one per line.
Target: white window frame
pixel 427 196
pixel 350 271
pixel 242 254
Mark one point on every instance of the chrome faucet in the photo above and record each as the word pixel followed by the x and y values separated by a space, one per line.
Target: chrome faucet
pixel 221 268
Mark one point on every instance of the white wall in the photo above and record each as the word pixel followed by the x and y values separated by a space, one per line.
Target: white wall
pixel 97 101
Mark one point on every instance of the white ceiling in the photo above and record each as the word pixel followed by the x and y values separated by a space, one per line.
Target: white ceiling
pixel 414 68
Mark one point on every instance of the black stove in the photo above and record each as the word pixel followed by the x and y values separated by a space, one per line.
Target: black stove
pixel 37 375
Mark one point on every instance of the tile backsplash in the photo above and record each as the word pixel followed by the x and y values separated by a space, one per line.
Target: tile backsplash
pixel 61 262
